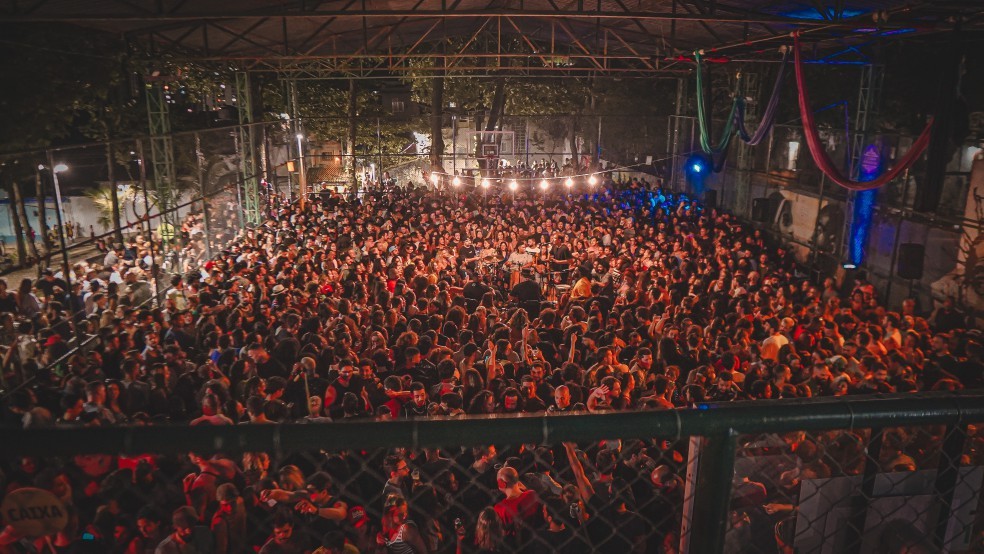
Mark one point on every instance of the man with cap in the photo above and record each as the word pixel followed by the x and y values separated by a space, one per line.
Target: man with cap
pixel 48 283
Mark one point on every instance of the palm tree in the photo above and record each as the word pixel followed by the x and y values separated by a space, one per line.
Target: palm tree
pixel 108 206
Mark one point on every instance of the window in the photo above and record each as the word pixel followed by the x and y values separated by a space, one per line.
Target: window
pixel 398 106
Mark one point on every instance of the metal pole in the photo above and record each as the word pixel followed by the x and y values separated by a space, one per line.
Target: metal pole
pixel 813 240
pixel 897 238
pixel 712 498
pixel 301 175
pixel 240 183
pixel 379 153
pixel 201 189
pixel 150 232
pixel 58 218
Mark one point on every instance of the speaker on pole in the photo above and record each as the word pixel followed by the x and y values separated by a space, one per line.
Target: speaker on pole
pixel 710 198
pixel 760 210
pixel 911 257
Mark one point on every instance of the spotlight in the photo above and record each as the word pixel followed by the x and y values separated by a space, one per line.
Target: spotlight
pixel 697 165
pixel 513 185
pixel 456 181
pixel 544 184
pixel 569 182
pixel 592 180
pixel 485 183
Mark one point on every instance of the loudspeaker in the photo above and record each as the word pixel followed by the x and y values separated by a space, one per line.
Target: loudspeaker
pixel 710 198
pixel 911 256
pixel 760 210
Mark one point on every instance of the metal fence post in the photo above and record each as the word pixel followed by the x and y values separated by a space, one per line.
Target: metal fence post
pixel 855 527
pixel 705 530
pixel 947 475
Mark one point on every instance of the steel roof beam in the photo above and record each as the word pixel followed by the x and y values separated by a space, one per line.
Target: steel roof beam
pixel 11 16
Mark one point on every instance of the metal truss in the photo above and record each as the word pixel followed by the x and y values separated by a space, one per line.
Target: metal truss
pixel 357 39
pixel 869 96
pixel 162 159
pixel 247 154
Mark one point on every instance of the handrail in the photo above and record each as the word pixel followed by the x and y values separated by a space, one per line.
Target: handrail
pixel 758 416
pixel 75 349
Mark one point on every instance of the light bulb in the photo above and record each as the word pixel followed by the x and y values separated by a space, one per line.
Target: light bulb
pixel 513 185
pixel 569 182
pixel 435 178
pixel 592 180
pixel 544 184
pixel 456 181
pixel 485 183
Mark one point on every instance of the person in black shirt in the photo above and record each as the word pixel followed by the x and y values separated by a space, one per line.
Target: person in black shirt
pixel 7 301
pixel 468 256
pixel 560 534
pixel 527 291
pixel 347 382
pixel 266 366
pixel 49 282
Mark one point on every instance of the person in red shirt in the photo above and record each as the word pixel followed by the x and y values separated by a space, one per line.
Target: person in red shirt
pixel 520 510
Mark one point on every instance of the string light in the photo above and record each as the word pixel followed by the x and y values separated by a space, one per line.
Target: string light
pixel 592 180
pixel 544 184
pixel 569 182
pixel 456 181
pixel 485 183
pixel 513 185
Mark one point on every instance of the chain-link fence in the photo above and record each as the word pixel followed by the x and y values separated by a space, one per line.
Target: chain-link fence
pixel 883 475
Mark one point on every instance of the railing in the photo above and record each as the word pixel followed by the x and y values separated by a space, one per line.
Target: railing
pixel 821 475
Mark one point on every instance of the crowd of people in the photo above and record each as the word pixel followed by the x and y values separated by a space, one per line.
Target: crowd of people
pixel 415 303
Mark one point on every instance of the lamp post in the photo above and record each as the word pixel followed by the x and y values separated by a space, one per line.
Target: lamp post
pixel 55 170
pixel 485 189
pixel 301 177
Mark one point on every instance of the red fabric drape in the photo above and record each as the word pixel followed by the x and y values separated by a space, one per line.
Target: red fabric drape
pixel 816 147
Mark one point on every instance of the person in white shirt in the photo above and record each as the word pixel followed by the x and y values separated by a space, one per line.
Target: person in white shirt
pixel 776 339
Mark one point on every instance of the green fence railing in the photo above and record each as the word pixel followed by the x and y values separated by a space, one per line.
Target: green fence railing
pixel 864 491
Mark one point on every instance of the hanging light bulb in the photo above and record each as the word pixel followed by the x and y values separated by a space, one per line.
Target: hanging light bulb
pixel 485 183
pixel 592 180
pixel 513 185
pixel 569 182
pixel 456 181
pixel 544 184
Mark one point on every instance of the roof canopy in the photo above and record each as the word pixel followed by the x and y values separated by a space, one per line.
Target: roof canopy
pixel 362 37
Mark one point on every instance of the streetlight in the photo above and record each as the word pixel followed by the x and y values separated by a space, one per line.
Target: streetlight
pixel 301 177
pixel 59 168
pixel 592 180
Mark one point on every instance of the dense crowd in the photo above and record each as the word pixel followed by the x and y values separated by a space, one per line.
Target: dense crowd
pixel 415 303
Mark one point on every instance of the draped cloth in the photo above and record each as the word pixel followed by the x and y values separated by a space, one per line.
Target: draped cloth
pixel 816 145
pixel 702 119
pixel 768 116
